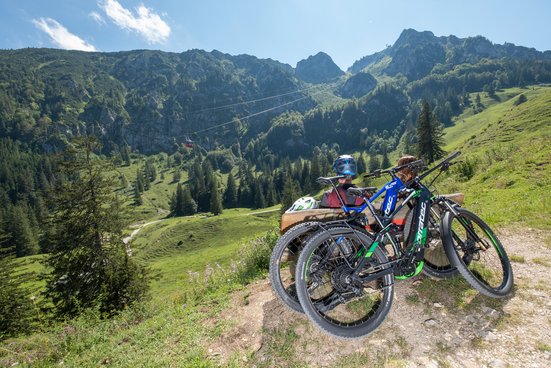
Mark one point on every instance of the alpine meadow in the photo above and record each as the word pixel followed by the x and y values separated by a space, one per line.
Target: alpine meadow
pixel 141 196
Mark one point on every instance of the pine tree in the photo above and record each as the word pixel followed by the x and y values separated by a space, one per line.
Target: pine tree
pixel 89 263
pixel 179 201
pixel 198 186
pixel 189 206
pixel 373 162
pixel 215 200
pixel 306 179
pixel 172 204
pixel 150 171
pixel 259 198
pixel 138 200
pixel 429 135
pixel 125 154
pixel 208 173
pixel 290 193
pixel 145 180
pixel 230 194
pixel 271 194
pixel 21 234
pixel 139 181
pixel 385 163
pixel 361 164
pixel 315 171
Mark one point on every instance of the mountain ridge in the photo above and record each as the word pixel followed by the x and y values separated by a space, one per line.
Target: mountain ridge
pixel 153 101
pixel 459 49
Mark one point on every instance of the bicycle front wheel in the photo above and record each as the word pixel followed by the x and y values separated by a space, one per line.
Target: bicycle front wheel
pixel 477 253
pixel 329 295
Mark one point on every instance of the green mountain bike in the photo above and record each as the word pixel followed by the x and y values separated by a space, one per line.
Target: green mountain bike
pixel 344 279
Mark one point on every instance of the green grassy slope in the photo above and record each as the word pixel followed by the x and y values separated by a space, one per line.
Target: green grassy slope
pixel 509 153
pixel 176 246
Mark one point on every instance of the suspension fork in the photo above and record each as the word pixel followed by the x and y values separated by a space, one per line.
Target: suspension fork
pixel 452 208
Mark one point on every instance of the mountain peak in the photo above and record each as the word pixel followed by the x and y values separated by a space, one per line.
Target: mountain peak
pixel 412 36
pixel 319 68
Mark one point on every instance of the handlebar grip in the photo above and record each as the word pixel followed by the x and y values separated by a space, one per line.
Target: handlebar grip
pixel 453 155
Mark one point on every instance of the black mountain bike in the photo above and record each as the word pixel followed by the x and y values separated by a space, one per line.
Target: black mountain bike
pixel 344 278
pixel 287 249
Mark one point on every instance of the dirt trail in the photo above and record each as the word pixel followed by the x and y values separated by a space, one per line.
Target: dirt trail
pixel 127 239
pixel 426 327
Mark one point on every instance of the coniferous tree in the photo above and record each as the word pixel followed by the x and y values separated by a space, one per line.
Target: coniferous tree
pixel 179 201
pixel 145 180
pixel 215 198
pixel 315 171
pixel 89 262
pixel 125 155
pixel 259 198
pixel 208 172
pixel 150 171
pixel 361 166
pixel 189 206
pixel 429 135
pixel 271 194
pixel 289 195
pixel 230 194
pixel 306 179
pixel 198 186
pixel 21 233
pixel 139 181
pixel 138 200
pixel 373 162
pixel 385 163
pixel 172 204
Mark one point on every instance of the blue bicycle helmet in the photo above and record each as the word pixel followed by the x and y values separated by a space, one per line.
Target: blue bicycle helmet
pixel 345 165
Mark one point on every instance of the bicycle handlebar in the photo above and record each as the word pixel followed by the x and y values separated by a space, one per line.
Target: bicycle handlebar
pixel 393 170
pixel 445 163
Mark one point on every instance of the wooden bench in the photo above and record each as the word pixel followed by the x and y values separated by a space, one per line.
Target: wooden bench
pixel 290 219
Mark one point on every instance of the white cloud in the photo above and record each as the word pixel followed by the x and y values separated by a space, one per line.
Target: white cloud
pixel 146 22
pixel 61 36
pixel 97 17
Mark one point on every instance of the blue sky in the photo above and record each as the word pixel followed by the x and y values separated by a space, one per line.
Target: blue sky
pixel 284 30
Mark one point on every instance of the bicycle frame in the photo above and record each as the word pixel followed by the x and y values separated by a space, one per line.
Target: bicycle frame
pixel 391 188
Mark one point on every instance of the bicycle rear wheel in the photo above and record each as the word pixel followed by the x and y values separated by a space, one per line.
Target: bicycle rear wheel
pixel 328 297
pixel 284 260
pixel 477 253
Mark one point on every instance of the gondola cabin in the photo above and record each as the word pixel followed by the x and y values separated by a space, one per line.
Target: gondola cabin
pixel 189 143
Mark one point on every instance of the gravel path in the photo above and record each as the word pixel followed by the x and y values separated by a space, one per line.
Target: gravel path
pixel 432 323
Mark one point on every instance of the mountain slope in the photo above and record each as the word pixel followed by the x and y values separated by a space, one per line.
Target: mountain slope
pixel 507 174
pixel 147 99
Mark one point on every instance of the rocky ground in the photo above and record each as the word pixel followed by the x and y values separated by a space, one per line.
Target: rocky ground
pixel 432 323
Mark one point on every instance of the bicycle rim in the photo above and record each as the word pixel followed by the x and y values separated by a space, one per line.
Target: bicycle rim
pixel 334 305
pixel 481 256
